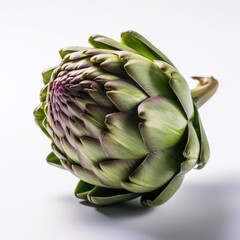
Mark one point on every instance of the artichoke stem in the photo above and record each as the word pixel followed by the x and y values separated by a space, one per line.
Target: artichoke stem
pixel 204 91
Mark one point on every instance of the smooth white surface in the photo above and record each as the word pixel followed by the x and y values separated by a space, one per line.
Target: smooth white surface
pixel 37 202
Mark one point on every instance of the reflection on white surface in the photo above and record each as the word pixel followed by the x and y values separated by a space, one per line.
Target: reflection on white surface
pixel 196 212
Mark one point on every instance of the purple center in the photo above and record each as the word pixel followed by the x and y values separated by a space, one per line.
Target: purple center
pixel 59 89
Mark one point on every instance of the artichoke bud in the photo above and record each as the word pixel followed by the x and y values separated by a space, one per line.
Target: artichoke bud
pixel 123 120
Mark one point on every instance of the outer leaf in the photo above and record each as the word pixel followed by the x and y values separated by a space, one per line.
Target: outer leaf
pixel 205 150
pixel 161 196
pixel 204 146
pixel 164 122
pixel 149 77
pixel 99 41
pixel 158 168
pixel 123 140
pixel 100 98
pixel 140 44
pixel 106 196
pixel 113 172
pixel 43 93
pixel 125 96
pixel 136 188
pixel 82 189
pixel 192 148
pixel 191 152
pixel 47 75
pixel 179 86
pixel 54 160
pixel 39 115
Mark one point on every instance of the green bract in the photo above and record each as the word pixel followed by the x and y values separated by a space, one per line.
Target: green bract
pixel 122 119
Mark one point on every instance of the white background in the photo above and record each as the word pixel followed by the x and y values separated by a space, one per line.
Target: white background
pixel 37 201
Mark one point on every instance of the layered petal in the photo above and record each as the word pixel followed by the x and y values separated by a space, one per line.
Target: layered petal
pixel 158 168
pixel 164 123
pixel 123 139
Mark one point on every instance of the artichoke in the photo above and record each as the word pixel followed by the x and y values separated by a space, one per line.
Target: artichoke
pixel 122 119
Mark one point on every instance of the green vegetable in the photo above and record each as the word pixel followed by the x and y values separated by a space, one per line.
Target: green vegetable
pixel 122 119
